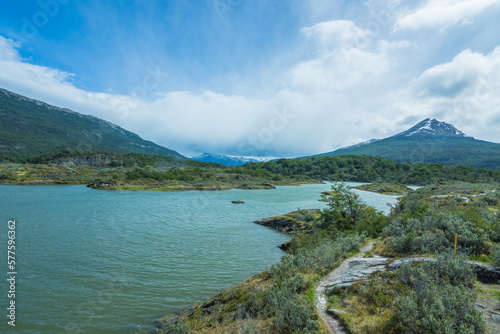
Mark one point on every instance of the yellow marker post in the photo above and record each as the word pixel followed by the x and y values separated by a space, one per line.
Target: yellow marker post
pixel 455 250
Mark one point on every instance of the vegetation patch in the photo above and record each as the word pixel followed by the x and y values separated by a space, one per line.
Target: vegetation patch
pixel 386 188
pixel 428 297
pixel 293 222
pixel 423 222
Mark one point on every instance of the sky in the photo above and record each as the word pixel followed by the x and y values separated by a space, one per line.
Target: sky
pixel 259 77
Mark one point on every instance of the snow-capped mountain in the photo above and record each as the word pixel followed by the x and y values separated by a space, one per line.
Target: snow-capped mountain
pixel 226 159
pixel 432 127
pixel 430 141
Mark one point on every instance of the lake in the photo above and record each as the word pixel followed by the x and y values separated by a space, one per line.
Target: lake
pixel 94 261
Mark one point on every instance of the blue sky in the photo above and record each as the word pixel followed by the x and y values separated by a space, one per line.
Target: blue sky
pixel 259 77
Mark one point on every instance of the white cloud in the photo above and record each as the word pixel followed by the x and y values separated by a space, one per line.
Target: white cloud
pixel 309 115
pixel 442 13
pixel 464 92
pixel 346 62
pixel 336 33
pixel 356 86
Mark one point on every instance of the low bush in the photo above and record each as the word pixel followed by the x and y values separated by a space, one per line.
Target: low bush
pixel 439 299
pixel 420 297
pixel 435 232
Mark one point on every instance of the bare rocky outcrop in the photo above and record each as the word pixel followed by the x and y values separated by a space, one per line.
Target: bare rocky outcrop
pixel 357 269
pixel 99 160
pixel 288 223
pixel 99 184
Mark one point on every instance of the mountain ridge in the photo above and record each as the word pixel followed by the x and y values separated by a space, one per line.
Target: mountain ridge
pixel 430 141
pixel 223 159
pixel 29 127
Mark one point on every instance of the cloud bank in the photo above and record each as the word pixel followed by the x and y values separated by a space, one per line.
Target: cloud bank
pixel 354 83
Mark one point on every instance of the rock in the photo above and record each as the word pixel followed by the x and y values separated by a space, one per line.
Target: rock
pixel 289 223
pixel 398 263
pixel 280 223
pixel 285 246
pixel 99 184
pixel 359 268
pixel 336 312
pixel 487 274
pixel 244 186
pixel 481 306
pixel 99 160
pixel 167 322
pixel 255 186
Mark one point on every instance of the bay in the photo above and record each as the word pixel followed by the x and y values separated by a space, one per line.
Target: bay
pixel 94 261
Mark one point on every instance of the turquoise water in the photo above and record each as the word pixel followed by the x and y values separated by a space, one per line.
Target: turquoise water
pixel 93 261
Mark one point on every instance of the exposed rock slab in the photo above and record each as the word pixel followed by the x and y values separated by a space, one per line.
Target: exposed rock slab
pixel 357 269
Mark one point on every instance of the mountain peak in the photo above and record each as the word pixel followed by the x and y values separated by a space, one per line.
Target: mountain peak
pixel 432 127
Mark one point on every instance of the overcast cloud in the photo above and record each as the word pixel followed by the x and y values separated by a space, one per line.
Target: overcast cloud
pixel 331 76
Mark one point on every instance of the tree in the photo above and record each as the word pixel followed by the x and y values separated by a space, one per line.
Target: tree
pixel 344 207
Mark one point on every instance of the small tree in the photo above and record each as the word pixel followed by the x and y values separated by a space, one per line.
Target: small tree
pixel 343 209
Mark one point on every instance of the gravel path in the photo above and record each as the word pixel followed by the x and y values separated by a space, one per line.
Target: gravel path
pixel 331 322
pixel 360 267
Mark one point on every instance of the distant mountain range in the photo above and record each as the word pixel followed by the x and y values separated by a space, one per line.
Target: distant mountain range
pixel 430 141
pixel 29 127
pixel 225 159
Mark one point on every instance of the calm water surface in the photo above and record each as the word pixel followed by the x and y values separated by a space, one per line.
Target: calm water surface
pixel 95 261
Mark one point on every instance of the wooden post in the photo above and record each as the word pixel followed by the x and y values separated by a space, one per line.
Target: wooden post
pixel 455 250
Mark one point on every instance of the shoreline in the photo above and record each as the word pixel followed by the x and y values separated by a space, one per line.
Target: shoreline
pixel 164 188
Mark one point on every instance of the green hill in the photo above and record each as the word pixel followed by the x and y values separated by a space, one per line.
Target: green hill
pixel 29 128
pixel 431 141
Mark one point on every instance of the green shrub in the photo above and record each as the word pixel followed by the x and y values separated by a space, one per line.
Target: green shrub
pixel 439 299
pixel 295 316
pixel 492 198
pixel 292 312
pixel 175 329
pixel 435 232
pixel 327 254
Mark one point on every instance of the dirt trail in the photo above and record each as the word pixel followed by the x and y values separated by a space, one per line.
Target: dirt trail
pixel 333 324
